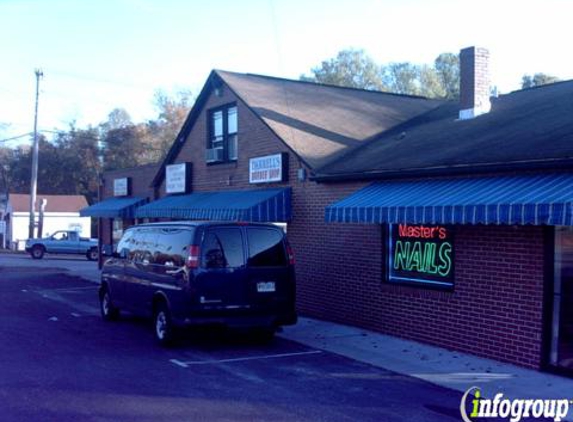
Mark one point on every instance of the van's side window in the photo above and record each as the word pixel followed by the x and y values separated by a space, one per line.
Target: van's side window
pixel 145 244
pixel 172 247
pixel 223 248
pixel 266 248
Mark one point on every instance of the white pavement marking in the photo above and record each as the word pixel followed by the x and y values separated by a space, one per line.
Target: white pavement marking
pixel 53 319
pixel 464 377
pixel 216 361
pixel 70 289
pixel 75 315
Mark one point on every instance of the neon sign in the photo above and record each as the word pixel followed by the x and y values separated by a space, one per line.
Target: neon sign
pixel 421 254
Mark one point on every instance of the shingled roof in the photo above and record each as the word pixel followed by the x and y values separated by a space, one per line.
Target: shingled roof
pixel 322 122
pixel 527 129
pixel 55 203
pixel 317 122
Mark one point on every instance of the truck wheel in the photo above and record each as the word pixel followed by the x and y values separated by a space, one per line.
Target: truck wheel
pixel 92 254
pixel 163 325
pixel 37 252
pixel 108 311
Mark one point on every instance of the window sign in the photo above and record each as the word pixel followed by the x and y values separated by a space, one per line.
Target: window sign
pixel 177 178
pixel 421 254
pixel 121 186
pixel 268 169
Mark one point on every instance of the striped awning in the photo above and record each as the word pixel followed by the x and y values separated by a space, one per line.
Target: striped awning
pixel 525 199
pixel 122 207
pixel 260 205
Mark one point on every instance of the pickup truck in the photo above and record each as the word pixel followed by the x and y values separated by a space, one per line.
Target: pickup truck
pixel 64 242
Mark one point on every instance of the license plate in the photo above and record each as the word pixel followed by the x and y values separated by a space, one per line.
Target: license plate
pixel 266 286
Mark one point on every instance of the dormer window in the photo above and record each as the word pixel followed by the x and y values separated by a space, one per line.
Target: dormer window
pixel 222 145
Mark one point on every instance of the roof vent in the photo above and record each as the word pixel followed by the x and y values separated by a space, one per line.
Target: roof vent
pixel 474 82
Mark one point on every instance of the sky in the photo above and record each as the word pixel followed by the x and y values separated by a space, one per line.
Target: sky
pixel 100 55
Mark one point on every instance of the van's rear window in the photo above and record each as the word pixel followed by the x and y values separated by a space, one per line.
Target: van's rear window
pixel 266 248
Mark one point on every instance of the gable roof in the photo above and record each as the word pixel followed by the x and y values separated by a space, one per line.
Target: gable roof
pixel 319 123
pixel 322 122
pixel 56 203
pixel 527 129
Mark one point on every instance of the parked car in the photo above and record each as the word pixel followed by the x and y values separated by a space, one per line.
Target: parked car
pixel 196 273
pixel 63 242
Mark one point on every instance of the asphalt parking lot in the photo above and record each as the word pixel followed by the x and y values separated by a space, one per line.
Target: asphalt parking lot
pixel 61 362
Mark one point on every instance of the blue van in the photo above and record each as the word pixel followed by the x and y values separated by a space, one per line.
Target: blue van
pixel 201 273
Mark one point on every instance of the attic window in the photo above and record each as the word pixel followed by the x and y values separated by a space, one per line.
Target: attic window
pixel 222 145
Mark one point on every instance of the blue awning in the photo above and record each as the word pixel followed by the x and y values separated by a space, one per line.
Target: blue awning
pixel 121 207
pixel 525 199
pixel 260 205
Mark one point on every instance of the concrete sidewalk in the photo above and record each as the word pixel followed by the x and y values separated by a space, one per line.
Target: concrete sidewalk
pixel 439 366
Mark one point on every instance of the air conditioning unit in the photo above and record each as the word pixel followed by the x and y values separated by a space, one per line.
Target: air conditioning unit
pixel 214 155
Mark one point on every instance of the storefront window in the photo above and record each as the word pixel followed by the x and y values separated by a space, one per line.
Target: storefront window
pixel 421 255
pixel 562 318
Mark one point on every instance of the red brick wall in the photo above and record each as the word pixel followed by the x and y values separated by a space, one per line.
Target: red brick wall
pixel 494 311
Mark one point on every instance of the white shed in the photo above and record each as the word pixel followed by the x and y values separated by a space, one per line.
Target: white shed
pixel 61 213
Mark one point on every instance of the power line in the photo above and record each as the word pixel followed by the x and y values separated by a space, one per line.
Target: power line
pixel 16 137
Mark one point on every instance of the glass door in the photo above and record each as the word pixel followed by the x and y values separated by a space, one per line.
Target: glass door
pixel 561 352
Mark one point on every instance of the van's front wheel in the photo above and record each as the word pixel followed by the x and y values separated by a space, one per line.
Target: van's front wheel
pixel 108 311
pixel 163 324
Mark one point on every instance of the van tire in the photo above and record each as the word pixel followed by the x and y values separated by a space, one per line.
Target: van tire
pixel 37 252
pixel 163 327
pixel 108 311
pixel 92 254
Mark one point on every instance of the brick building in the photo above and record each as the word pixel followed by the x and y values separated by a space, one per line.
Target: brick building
pixel 436 221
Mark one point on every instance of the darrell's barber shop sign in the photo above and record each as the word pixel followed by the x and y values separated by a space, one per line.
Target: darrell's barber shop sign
pixel 421 254
pixel 268 169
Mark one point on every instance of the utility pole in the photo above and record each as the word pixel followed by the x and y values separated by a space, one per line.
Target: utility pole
pixel 34 179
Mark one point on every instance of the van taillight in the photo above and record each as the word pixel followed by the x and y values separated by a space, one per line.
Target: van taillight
pixel 193 258
pixel 290 254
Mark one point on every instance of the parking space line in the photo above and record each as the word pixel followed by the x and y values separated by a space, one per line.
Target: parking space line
pixel 249 358
pixel 69 289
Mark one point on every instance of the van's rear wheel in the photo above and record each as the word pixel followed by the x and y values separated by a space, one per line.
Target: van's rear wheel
pixel 163 324
pixel 92 254
pixel 108 311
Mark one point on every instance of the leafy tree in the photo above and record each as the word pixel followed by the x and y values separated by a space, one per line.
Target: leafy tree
pixel 79 153
pixel 430 85
pixel 353 68
pixel 123 147
pixel 528 81
pixel 118 118
pixel 172 112
pixel 447 67
pixel 350 68
pixel 402 78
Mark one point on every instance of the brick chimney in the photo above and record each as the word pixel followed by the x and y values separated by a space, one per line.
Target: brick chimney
pixel 474 82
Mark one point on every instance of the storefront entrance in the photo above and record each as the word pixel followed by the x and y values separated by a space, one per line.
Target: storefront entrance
pixel 561 352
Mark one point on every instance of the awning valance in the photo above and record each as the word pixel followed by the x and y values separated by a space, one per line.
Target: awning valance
pixel 122 207
pixel 524 199
pixel 260 205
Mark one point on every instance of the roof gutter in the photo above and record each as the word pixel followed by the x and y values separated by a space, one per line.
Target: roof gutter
pixel 464 169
